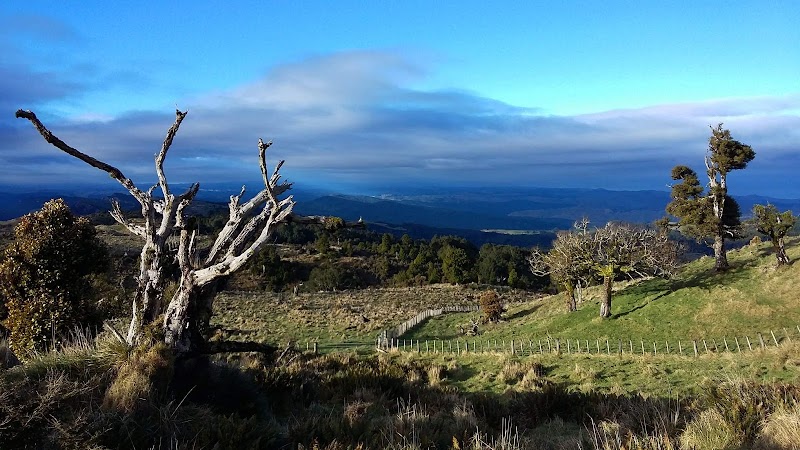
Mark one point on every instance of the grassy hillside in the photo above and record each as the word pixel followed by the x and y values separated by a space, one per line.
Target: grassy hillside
pixel 754 296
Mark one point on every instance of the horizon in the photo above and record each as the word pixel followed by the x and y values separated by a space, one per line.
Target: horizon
pixel 372 98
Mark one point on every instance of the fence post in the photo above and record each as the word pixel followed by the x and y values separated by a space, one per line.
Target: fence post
pixel 642 346
pixel 680 348
pixel 704 345
pixel 655 351
pixel 540 346
pixel 558 346
pixel 316 350
pixel 630 344
pixel 512 346
pixel 598 345
pixel 568 349
pixel 725 340
pixel 549 348
pixel 667 345
pixel 761 338
pixel 587 346
pixel 787 335
pixel 739 349
pixel 748 343
pixel 450 346
pixel 695 347
pixel 716 349
pixel 774 338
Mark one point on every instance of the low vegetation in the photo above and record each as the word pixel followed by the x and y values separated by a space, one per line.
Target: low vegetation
pixel 99 393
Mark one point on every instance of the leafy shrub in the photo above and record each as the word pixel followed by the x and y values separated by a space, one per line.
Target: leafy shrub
pixel 492 306
pixel 44 276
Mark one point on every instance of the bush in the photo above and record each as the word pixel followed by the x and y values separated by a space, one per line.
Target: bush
pixel 492 306
pixel 45 276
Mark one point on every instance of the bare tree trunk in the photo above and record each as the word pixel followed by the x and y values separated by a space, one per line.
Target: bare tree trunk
pixel 720 255
pixel 780 252
pixel 605 304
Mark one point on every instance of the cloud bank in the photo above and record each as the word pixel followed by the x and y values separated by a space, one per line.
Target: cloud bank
pixel 355 119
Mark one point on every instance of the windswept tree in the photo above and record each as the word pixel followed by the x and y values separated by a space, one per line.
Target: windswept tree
pixel 568 263
pixel 184 317
pixel 775 225
pixel 714 214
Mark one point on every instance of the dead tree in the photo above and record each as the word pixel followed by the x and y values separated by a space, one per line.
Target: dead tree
pixel 184 318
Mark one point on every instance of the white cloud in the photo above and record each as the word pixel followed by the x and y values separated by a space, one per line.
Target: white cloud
pixel 356 116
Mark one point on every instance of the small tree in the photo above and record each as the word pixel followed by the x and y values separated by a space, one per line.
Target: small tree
pixel 775 225
pixel 492 306
pixel 625 249
pixel 714 215
pixel 569 262
pixel 44 276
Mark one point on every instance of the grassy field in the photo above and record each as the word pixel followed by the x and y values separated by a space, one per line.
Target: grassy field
pixel 753 297
pixel 335 320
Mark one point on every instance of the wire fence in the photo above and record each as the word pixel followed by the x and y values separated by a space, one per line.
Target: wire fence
pixel 556 345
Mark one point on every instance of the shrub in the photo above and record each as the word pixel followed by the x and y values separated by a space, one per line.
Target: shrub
pixel 492 306
pixel 44 276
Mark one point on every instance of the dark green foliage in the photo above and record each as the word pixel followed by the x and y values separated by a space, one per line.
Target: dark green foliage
pixel 45 276
pixel 775 225
pixel 273 272
pixel 505 265
pixel 329 276
pixel 714 215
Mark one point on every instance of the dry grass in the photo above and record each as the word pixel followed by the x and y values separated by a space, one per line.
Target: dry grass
pixel 708 431
pixel 142 378
pixel 781 430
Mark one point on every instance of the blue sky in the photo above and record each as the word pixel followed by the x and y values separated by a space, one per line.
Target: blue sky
pixel 372 96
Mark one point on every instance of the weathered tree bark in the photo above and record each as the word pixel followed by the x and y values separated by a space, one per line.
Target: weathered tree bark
pixel 780 252
pixel 605 304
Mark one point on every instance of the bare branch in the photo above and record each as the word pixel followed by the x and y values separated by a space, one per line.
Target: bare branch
pixel 119 216
pixel 173 130
pixel 61 145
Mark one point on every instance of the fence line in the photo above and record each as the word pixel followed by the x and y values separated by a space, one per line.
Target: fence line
pixel 554 345
pixel 387 336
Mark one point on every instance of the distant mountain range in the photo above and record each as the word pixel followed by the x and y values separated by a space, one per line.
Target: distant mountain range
pixel 492 215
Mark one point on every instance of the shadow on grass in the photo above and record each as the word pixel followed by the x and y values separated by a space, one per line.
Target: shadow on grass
pixel 636 308
pixel 524 312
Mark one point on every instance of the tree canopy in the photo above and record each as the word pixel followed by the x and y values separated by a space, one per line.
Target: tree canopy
pixel 775 225
pixel 713 214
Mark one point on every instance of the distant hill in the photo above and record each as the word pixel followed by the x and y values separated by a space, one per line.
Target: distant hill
pixel 518 216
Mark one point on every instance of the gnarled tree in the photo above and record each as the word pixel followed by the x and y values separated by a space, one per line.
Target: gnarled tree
pixel 568 263
pixel 184 317
pixel 626 249
pixel 714 215
pixel 774 224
